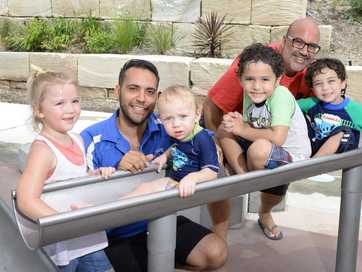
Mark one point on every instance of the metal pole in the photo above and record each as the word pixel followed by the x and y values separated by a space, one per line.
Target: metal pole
pixel 349 220
pixel 161 244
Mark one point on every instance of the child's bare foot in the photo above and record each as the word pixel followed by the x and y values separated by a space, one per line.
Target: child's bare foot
pixel 76 206
pixel 157 185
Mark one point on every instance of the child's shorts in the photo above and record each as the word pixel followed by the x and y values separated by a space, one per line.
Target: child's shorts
pixel 277 157
pixel 96 262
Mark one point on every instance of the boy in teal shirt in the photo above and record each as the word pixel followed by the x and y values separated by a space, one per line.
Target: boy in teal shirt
pixel 334 120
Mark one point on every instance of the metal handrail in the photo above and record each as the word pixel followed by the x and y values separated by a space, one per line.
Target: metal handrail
pixel 157 205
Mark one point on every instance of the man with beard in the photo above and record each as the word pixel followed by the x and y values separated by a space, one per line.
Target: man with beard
pixel 128 140
pixel 298 49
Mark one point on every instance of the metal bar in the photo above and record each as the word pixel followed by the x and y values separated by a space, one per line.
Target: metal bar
pixel 71 183
pixel 93 193
pixel 349 220
pixel 15 256
pixel 84 221
pixel 161 244
pixel 153 206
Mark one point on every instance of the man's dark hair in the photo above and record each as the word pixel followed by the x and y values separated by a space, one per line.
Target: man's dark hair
pixel 259 52
pixel 138 63
pixel 316 68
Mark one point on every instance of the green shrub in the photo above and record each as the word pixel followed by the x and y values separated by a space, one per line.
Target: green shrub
pixel 355 13
pixel 88 24
pixel 28 37
pixel 127 34
pixel 4 30
pixel 61 34
pixel 356 5
pixel 161 38
pixel 98 41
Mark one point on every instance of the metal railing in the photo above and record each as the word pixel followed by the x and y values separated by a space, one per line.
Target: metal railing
pixel 161 207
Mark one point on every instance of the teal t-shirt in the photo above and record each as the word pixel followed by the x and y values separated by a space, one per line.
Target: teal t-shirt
pixel 349 111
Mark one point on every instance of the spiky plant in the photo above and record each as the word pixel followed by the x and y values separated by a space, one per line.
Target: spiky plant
pixel 211 34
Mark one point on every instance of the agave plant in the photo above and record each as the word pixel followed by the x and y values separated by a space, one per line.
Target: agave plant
pixel 211 34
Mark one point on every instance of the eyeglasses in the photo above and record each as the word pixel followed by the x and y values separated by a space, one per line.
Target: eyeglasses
pixel 300 44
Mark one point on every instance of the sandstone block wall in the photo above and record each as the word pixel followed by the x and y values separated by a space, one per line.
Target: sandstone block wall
pixel 253 20
pixel 98 74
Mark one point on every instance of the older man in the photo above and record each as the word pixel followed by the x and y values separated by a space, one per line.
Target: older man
pixel 298 48
pixel 130 138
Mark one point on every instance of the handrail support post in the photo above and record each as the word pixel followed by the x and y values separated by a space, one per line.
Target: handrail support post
pixel 349 220
pixel 161 244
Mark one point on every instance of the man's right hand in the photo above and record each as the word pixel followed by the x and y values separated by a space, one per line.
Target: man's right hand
pixel 134 161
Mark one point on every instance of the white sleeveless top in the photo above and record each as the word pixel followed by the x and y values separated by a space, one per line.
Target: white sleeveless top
pixel 63 252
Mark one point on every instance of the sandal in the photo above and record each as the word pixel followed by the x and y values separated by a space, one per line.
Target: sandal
pixel 268 232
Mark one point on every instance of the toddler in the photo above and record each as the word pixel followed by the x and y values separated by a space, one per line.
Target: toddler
pixel 192 156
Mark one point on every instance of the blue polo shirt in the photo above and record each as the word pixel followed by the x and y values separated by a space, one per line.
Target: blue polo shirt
pixel 105 146
pixel 193 155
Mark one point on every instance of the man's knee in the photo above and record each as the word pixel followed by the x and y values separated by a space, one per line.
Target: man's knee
pixel 210 253
pixel 216 253
pixel 217 256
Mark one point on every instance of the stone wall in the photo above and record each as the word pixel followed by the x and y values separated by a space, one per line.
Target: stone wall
pixel 97 74
pixel 253 20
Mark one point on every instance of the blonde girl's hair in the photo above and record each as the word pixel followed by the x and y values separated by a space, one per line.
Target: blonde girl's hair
pixel 179 92
pixel 38 85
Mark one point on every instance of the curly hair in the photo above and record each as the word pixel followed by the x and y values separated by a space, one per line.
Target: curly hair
pixel 259 52
pixel 316 68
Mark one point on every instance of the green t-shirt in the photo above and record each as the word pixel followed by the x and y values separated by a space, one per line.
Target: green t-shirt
pixel 277 110
pixel 281 109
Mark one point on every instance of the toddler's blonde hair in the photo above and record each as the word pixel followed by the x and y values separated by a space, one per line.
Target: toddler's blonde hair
pixel 38 85
pixel 179 92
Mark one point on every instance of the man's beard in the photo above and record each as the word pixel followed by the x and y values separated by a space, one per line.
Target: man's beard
pixel 130 120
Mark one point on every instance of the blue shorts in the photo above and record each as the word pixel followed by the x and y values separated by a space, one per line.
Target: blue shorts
pixel 277 157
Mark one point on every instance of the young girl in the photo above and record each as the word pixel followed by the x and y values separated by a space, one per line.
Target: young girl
pixel 57 154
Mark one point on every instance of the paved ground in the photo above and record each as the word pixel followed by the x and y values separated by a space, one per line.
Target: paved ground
pixel 309 222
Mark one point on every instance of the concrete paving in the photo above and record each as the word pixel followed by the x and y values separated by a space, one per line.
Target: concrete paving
pixel 309 222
